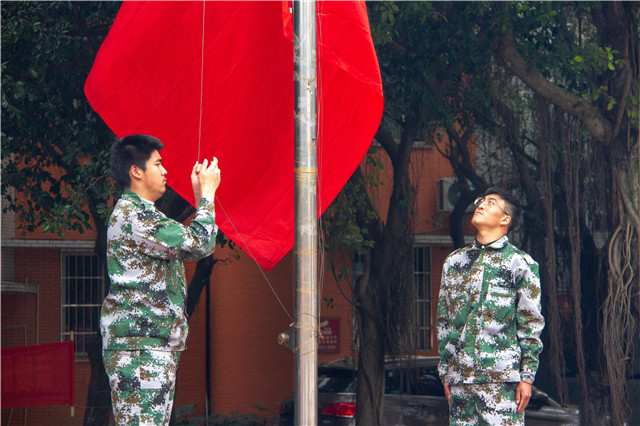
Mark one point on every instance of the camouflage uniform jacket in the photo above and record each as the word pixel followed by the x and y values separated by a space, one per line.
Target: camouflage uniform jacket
pixel 145 249
pixel 489 319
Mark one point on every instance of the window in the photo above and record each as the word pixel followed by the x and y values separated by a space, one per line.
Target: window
pixel 83 290
pixel 422 298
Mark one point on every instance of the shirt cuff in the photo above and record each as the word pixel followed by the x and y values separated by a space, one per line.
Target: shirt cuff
pixel 204 201
pixel 527 380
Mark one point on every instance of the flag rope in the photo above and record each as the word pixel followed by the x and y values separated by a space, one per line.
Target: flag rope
pixel 319 136
pixel 204 2
pixel 254 259
pixel 198 159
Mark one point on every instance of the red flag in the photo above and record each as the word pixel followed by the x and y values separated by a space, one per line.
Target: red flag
pixel 37 375
pixel 146 79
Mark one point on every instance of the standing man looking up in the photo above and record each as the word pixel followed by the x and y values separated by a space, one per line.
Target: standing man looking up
pixel 143 322
pixel 489 320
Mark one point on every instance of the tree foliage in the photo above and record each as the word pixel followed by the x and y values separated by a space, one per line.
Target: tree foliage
pixel 54 146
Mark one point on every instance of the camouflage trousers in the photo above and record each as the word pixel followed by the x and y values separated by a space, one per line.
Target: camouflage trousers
pixel 142 385
pixel 484 404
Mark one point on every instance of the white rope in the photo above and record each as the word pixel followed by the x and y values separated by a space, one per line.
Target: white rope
pixel 254 259
pixel 201 81
pixel 198 159
pixel 319 136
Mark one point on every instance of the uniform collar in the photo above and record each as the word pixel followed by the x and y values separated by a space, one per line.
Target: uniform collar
pixel 497 244
pixel 136 198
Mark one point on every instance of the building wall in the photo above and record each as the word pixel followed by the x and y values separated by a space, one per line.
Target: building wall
pixel 40 266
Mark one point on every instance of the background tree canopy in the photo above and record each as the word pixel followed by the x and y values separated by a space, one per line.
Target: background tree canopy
pixel 548 94
pixel 53 143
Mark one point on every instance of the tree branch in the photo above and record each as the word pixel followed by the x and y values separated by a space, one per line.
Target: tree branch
pixel 462 166
pixel 509 57
pixel 385 139
pixel 512 125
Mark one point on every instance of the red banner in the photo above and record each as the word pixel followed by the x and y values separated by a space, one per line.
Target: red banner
pixel 37 375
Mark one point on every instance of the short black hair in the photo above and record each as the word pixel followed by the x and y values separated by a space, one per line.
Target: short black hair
pixel 133 150
pixel 512 205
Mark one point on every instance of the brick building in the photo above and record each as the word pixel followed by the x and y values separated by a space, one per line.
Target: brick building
pixel 52 286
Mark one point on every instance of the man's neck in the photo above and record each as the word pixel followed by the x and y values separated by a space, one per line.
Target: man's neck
pixel 141 195
pixel 489 236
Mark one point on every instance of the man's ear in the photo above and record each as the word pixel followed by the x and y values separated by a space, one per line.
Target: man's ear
pixel 506 220
pixel 135 173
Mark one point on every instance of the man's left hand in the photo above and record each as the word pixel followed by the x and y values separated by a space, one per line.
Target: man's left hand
pixel 523 393
pixel 195 183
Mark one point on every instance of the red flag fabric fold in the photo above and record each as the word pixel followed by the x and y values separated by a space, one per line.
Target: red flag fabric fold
pixel 146 79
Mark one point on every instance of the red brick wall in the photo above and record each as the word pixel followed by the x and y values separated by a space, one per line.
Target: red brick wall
pixel 249 367
pixel 41 267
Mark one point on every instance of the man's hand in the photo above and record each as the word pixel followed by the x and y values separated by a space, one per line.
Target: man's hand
pixel 523 393
pixel 209 178
pixel 195 182
pixel 447 393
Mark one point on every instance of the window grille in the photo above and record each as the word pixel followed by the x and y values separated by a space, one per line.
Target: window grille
pixel 83 290
pixel 422 298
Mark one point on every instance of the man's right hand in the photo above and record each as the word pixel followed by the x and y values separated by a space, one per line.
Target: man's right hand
pixel 208 177
pixel 447 393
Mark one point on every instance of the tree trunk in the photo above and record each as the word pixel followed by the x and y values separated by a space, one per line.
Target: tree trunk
pixel 553 320
pixel 99 393
pixel 385 292
pixel 571 187
pixel 619 329
pixel 369 398
pixel 98 408
pixel 200 280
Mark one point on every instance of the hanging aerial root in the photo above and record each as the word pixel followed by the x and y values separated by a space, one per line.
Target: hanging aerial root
pixel 619 324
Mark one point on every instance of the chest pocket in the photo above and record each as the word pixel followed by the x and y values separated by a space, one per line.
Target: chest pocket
pixel 500 292
pixel 502 301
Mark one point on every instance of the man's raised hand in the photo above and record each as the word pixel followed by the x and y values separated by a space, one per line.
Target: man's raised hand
pixel 209 178
pixel 195 182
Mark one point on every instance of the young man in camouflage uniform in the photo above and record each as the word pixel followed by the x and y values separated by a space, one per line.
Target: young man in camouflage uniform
pixel 143 322
pixel 489 320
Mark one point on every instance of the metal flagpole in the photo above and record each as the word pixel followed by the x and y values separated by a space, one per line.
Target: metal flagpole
pixel 302 337
pixel 306 228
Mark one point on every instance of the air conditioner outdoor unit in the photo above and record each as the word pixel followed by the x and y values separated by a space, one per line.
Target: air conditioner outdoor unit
pixel 448 194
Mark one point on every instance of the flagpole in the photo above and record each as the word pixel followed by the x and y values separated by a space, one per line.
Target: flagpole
pixel 306 229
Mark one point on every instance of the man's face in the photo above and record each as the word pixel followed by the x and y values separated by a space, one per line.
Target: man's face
pixel 490 213
pixel 154 178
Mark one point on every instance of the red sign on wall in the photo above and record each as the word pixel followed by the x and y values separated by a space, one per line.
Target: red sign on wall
pixel 330 331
